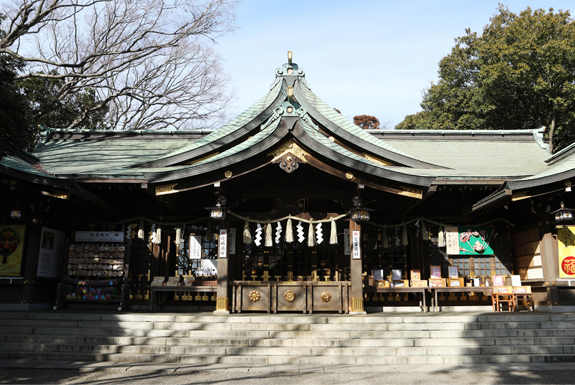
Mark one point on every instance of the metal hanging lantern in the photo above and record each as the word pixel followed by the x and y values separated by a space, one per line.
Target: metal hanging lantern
pixel 218 212
pixel 563 214
pixel 359 213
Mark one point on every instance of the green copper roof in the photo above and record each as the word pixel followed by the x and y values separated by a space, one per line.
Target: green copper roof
pixel 18 164
pixel 339 120
pixel 416 157
pixel 244 118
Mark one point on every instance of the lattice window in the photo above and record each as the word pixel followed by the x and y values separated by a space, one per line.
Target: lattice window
pixel 185 265
pixel 462 265
pixel 375 256
pixel 482 266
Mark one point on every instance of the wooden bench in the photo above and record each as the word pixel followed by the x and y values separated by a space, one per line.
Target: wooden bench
pixel 511 295
pixel 501 295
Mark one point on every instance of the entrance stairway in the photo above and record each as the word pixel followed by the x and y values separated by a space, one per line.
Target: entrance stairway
pixel 256 339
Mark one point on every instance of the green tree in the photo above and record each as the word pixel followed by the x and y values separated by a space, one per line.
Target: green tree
pixel 16 130
pixel 520 73
pixel 50 109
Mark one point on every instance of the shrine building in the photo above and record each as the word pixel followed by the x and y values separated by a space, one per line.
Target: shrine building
pixel 289 207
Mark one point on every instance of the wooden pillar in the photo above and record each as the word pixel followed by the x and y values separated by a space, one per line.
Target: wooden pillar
pixel 356 291
pixel 549 254
pixel 222 301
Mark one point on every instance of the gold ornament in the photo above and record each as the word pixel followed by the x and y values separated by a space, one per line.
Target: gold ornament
pixel 349 176
pixel 255 296
pixel 289 296
pixel 325 296
pixel 228 174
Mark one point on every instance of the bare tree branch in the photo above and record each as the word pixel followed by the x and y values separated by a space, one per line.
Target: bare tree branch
pixel 150 62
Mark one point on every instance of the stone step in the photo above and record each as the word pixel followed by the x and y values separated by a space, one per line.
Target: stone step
pixel 283 339
pixel 210 332
pixel 309 342
pixel 279 359
pixel 298 351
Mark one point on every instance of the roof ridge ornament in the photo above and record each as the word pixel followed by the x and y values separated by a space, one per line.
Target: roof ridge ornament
pixel 303 114
pixel 278 112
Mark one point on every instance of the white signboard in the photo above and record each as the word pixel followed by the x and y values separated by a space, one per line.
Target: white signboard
pixel 195 247
pixel 346 250
pixel 51 252
pixel 209 265
pixel 99 236
pixel 232 243
pixel 452 240
pixel 356 245
pixel 223 244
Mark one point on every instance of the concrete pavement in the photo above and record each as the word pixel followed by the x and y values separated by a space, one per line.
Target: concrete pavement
pixel 68 372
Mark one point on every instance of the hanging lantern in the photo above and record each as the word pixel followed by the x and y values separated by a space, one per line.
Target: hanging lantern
pixel 563 214
pixel 359 213
pixel 218 212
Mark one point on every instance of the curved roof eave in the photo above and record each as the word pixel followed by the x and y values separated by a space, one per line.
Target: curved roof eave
pixel 264 141
pixel 536 181
pixel 257 144
pixel 323 146
pixel 349 132
pixel 242 125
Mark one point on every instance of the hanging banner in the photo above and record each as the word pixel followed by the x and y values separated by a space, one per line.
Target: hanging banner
pixel 223 244
pixel 468 240
pixel 11 249
pixel 195 247
pixel 346 249
pixel 232 242
pixel 566 240
pixel 99 236
pixel 356 245
pixel 51 253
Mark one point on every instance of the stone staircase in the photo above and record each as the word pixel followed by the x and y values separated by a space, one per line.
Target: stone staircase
pixel 256 339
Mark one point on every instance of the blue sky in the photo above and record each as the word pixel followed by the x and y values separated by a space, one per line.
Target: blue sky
pixel 362 57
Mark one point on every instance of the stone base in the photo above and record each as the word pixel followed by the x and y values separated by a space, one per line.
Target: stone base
pixel 394 309
pixel 25 306
pixel 555 309
pixel 464 309
pixel 221 312
pixel 357 312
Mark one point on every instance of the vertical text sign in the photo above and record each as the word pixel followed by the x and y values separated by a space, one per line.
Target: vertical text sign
pixel 346 242
pixel 195 247
pixel 356 245
pixel 232 242
pixel 223 244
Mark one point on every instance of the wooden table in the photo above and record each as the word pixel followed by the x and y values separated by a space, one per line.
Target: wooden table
pixel 420 290
pixel 456 289
pixel 523 297
pixel 179 289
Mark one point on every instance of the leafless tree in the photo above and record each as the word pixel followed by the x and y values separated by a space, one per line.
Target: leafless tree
pixel 150 62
